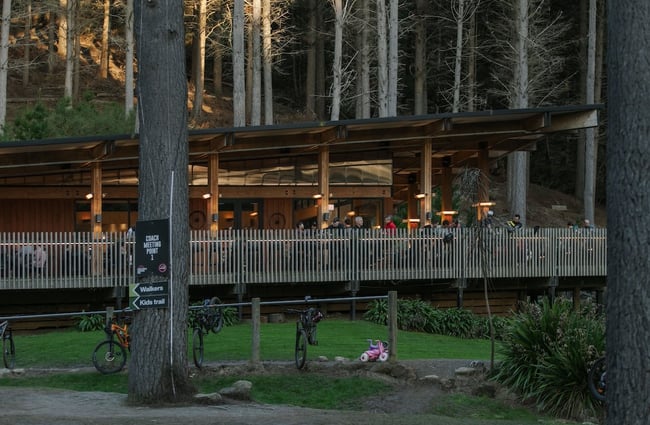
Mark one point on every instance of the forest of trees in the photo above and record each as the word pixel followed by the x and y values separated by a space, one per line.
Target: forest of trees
pixel 341 59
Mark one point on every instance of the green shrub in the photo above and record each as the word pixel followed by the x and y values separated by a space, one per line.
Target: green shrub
pixel 377 312
pixel 419 315
pixel 85 118
pixel 546 352
pixel 91 322
pixel 31 124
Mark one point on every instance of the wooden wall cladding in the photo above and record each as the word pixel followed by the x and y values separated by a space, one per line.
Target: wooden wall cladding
pixel 37 215
pixel 278 214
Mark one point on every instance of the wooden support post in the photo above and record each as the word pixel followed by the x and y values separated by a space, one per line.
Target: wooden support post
pixel 109 316
pixel 392 326
pixel 96 221
pixel 213 188
pixel 426 181
pixel 446 192
pixel 576 298
pixel 323 186
pixel 483 181
pixel 255 321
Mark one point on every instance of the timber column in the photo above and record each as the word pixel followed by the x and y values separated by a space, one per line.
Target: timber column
pixel 324 186
pixel 213 187
pixel 446 191
pixel 425 181
pixel 98 248
pixel 483 182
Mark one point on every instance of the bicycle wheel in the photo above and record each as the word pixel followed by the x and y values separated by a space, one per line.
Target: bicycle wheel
pixel 301 348
pixel 197 347
pixel 8 351
pixel 109 357
pixel 596 380
pixel 215 315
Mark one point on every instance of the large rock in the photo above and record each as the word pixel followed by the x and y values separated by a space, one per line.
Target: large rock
pixel 240 390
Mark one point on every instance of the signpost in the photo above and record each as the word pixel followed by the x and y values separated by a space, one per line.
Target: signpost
pixel 152 255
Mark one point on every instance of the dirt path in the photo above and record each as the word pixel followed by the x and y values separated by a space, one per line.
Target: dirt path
pixel 406 405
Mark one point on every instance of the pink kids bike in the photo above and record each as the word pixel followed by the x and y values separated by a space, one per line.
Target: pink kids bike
pixel 377 351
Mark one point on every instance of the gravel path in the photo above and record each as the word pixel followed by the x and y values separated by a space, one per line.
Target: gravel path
pixel 28 406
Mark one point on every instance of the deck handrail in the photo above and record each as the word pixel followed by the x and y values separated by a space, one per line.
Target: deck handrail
pixel 250 256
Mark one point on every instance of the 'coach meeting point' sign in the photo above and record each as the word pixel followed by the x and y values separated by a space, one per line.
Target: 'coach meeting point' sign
pixel 152 254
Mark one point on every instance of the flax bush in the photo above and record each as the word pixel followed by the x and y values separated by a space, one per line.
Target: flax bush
pixel 546 352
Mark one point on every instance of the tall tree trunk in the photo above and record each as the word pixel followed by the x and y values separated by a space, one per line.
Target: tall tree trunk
pixel 249 70
pixel 471 63
pixel 591 152
pixel 382 60
pixel 105 50
pixel 27 41
pixel 393 57
pixel 199 69
pixel 310 78
pixel 363 106
pixel 217 70
pixel 583 25
pixel 158 370
pixel 238 71
pixel 518 161
pixel 51 41
pixel 336 62
pixel 320 66
pixel 256 63
pixel 458 60
pixel 76 54
pixel 62 33
pixel 128 80
pixel 69 51
pixel 4 59
pixel 420 59
pixel 628 223
pixel 267 56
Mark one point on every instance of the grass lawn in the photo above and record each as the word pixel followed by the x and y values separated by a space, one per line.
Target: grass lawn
pixel 337 337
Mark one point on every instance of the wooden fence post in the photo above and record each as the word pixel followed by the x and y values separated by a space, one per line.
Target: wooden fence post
pixel 109 316
pixel 255 323
pixel 392 326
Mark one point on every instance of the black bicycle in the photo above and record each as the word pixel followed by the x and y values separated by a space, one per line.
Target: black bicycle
pixel 597 379
pixel 208 318
pixel 8 347
pixel 306 328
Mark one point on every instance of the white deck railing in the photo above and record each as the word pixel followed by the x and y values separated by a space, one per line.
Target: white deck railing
pixel 78 260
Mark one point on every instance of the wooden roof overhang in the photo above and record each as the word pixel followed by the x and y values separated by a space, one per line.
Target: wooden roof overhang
pixel 456 142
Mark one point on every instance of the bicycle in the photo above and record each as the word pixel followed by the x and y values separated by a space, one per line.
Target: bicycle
pixel 8 347
pixel 306 327
pixel 597 379
pixel 109 356
pixel 208 318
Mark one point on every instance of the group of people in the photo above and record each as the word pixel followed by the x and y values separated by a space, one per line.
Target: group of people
pixel 24 260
